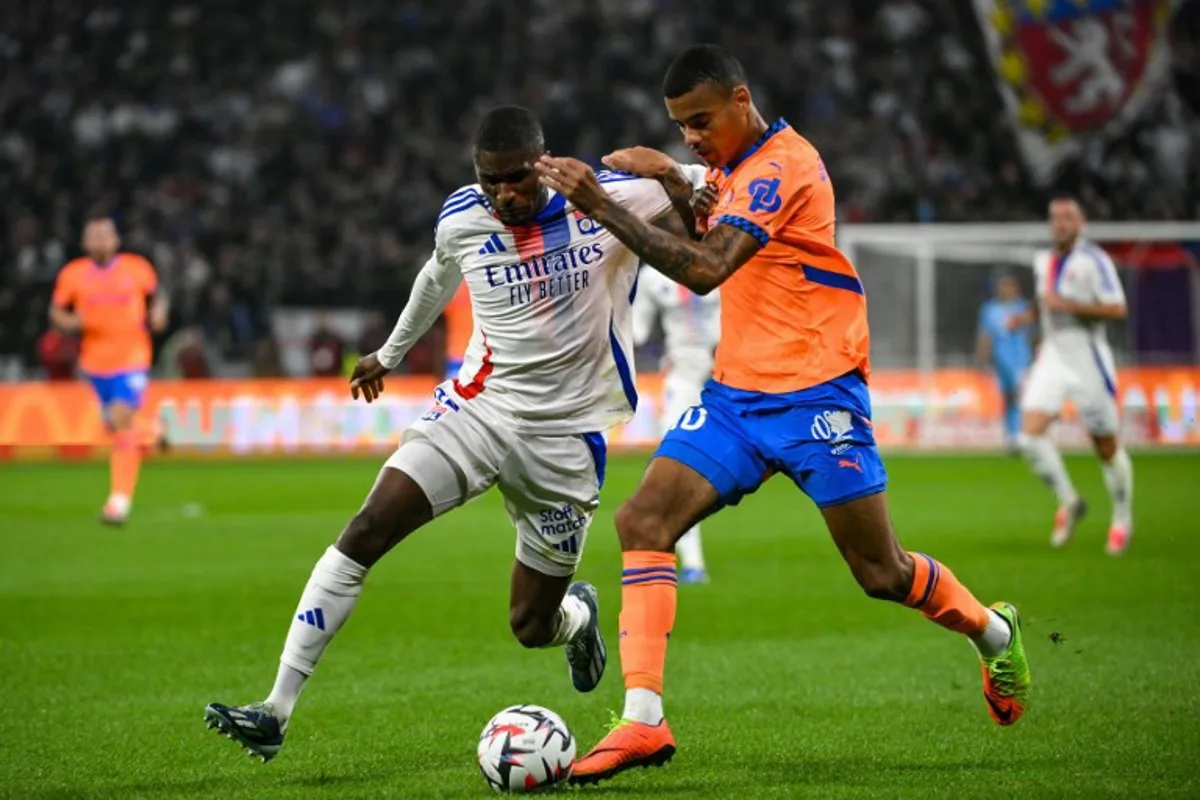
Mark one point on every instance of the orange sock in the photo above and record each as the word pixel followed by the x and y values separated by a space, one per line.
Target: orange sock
pixel 124 463
pixel 938 595
pixel 648 586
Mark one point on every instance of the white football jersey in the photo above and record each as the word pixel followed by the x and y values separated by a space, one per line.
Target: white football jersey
pixel 1084 275
pixel 691 323
pixel 552 344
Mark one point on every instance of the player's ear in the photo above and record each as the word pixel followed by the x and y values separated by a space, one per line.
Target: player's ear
pixel 741 97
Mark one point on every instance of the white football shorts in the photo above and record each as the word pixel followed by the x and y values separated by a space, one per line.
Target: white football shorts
pixel 551 485
pixel 1086 378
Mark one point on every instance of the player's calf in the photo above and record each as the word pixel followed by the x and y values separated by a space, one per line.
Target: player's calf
pixel 533 627
pixel 887 576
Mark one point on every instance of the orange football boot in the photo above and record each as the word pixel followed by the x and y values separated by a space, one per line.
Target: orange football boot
pixel 629 744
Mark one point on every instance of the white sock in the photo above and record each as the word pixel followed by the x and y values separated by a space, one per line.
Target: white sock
pixel 1118 477
pixel 643 705
pixel 996 636
pixel 324 606
pixel 120 503
pixel 691 554
pixel 1048 465
pixel 285 693
pixel 574 616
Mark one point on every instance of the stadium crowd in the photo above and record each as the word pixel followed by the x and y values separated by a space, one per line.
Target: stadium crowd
pixel 294 152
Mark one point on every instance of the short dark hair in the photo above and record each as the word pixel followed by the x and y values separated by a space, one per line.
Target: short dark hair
pixel 703 63
pixel 98 213
pixel 509 128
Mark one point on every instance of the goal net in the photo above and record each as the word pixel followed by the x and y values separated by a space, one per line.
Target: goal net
pixel 925 287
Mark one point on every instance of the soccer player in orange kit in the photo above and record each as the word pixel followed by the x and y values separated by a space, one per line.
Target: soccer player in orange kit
pixel 788 393
pixel 111 298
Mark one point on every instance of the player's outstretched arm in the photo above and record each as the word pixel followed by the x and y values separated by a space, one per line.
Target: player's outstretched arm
pixel 1087 311
pixel 160 310
pixel 701 266
pixel 432 291
pixel 63 319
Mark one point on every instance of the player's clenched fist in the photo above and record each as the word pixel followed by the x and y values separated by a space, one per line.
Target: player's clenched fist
pixel 367 378
pixel 703 202
pixel 574 180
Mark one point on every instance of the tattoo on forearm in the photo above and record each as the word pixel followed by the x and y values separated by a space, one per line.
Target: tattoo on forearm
pixel 679 190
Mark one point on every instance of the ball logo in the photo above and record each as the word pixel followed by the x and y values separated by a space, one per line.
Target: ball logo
pixel 764 195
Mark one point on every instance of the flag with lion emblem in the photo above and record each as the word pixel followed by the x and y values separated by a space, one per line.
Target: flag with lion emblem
pixel 1072 69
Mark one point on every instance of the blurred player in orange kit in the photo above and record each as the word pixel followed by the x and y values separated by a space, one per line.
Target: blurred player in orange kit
pixel 788 393
pixel 111 299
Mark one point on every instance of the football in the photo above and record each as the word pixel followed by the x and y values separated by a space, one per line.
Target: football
pixel 525 749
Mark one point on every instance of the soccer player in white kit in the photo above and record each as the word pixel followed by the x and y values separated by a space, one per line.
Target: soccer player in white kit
pixel 1078 291
pixel 545 375
pixel 691 326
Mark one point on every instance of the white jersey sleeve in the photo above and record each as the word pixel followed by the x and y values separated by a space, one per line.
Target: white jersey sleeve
pixel 1100 276
pixel 432 291
pixel 695 173
pixel 643 197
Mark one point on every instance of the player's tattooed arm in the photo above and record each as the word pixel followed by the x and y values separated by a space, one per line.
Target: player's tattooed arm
pixel 727 249
pixel 656 165
pixel 680 191
pixel 701 266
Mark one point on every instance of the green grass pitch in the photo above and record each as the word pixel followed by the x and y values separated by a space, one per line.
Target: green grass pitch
pixel 782 679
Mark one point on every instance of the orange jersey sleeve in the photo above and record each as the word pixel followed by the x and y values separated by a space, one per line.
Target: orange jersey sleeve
pixel 795 315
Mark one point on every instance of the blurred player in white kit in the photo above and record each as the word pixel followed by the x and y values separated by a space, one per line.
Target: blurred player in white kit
pixel 691 326
pixel 1078 291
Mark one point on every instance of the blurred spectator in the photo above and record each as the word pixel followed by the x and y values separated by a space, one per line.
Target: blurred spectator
pixel 185 355
pixel 374 333
pixel 57 352
pixel 325 351
pixel 295 152
pixel 266 359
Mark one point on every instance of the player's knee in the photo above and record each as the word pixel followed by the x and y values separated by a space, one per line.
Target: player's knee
pixel 120 417
pixel 1034 424
pixel 530 628
pixel 641 528
pixel 885 579
pixel 1106 447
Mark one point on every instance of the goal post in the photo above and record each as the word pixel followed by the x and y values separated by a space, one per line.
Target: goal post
pixel 925 285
